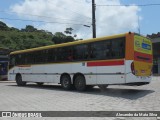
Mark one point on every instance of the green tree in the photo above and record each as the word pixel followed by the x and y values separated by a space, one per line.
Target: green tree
pixel 29 28
pixel 3 26
pixel 29 37
pixel 68 30
pixel 69 39
pixel 59 37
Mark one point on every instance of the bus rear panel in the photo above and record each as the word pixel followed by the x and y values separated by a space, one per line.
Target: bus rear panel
pixel 139 69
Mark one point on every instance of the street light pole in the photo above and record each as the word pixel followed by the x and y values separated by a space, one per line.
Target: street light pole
pixel 93 19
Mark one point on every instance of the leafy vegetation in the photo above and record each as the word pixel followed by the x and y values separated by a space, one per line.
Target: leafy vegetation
pixel 59 37
pixel 29 37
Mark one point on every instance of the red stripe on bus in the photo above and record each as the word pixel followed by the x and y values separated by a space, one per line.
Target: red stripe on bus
pixel 143 57
pixel 105 63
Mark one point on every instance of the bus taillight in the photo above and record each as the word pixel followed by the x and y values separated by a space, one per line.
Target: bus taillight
pixel 132 68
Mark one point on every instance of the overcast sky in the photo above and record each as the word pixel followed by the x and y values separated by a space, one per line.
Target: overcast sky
pixel 60 14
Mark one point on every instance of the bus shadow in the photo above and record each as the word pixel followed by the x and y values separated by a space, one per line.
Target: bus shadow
pixel 126 93
pixel 131 94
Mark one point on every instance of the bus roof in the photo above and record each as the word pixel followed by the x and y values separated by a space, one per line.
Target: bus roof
pixel 68 44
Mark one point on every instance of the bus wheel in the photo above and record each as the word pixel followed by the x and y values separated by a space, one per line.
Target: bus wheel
pixel 19 81
pixel 66 82
pixel 80 83
pixel 40 83
pixel 102 87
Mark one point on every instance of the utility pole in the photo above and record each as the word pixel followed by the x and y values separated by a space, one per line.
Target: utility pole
pixel 139 29
pixel 93 18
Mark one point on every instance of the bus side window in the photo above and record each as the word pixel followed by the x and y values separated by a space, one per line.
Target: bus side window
pixel 118 48
pixel 100 50
pixel 81 52
pixel 39 57
pixel 108 49
pixel 19 59
pixel 122 48
pixel 69 52
pixel 12 61
pixel 59 55
pixel 29 58
pixel 50 55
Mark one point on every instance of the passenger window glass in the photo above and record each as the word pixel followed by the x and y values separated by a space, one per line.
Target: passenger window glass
pixel 81 52
pixel 65 54
pixel 51 56
pixel 12 62
pixel 109 49
pixel 118 48
pixel 101 50
pixel 39 56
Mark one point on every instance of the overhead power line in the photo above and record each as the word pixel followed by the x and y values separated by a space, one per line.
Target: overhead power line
pixel 43 21
pixel 39 16
pixel 142 5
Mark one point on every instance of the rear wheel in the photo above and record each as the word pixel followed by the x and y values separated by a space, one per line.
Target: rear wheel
pixel 66 82
pixel 19 81
pixel 80 83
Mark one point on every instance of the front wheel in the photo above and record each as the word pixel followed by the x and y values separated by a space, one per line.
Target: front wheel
pixel 19 81
pixel 80 83
pixel 66 82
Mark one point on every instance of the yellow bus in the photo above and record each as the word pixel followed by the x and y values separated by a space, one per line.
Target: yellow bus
pixel 119 59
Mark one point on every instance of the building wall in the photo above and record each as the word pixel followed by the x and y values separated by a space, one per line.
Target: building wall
pixel 156 53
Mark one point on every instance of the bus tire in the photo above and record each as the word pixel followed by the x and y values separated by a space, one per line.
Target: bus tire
pixel 66 82
pixel 102 87
pixel 19 80
pixel 80 83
